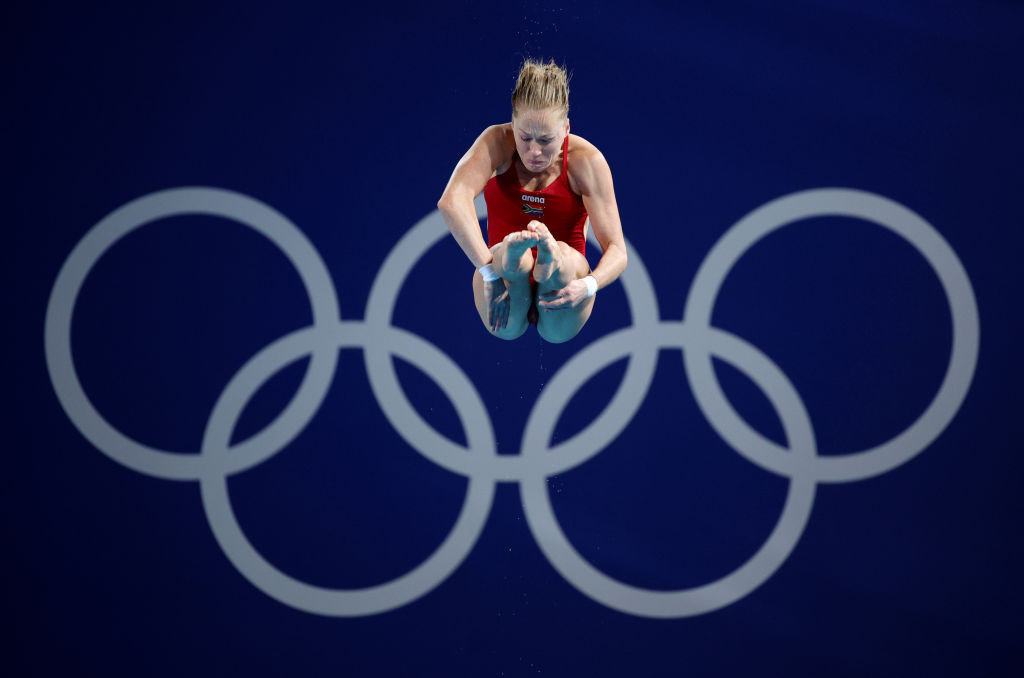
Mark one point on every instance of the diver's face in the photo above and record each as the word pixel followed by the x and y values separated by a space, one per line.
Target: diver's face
pixel 539 136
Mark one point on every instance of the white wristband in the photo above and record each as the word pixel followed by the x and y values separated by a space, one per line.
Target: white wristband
pixel 591 284
pixel 487 271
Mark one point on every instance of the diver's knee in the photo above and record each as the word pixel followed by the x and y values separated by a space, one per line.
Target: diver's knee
pixel 577 263
pixel 556 333
pixel 509 333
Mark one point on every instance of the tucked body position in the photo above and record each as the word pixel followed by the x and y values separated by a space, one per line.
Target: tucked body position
pixel 544 187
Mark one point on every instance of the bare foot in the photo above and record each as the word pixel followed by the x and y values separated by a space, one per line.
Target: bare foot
pixel 516 247
pixel 549 256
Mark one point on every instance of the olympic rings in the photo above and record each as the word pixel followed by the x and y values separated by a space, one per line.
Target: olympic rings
pixel 478 460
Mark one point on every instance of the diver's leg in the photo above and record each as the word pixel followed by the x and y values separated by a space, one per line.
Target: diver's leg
pixel 513 261
pixel 557 265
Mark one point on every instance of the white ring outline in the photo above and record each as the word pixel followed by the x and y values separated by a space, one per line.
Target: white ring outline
pixel 119 223
pixel 759 567
pixel 506 468
pixel 246 558
pixel 883 212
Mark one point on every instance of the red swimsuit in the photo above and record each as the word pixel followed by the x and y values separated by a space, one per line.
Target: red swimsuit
pixel 510 208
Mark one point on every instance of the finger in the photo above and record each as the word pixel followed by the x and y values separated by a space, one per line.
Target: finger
pixel 554 295
pixel 563 303
pixel 494 315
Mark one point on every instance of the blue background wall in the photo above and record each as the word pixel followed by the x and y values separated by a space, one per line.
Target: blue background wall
pixel 348 122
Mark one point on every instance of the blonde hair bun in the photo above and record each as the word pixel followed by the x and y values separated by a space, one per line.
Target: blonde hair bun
pixel 541 85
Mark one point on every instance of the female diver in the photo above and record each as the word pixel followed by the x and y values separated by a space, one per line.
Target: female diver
pixel 543 188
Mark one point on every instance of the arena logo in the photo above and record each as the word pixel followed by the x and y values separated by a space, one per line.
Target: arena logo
pixel 533 198
pixel 699 341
